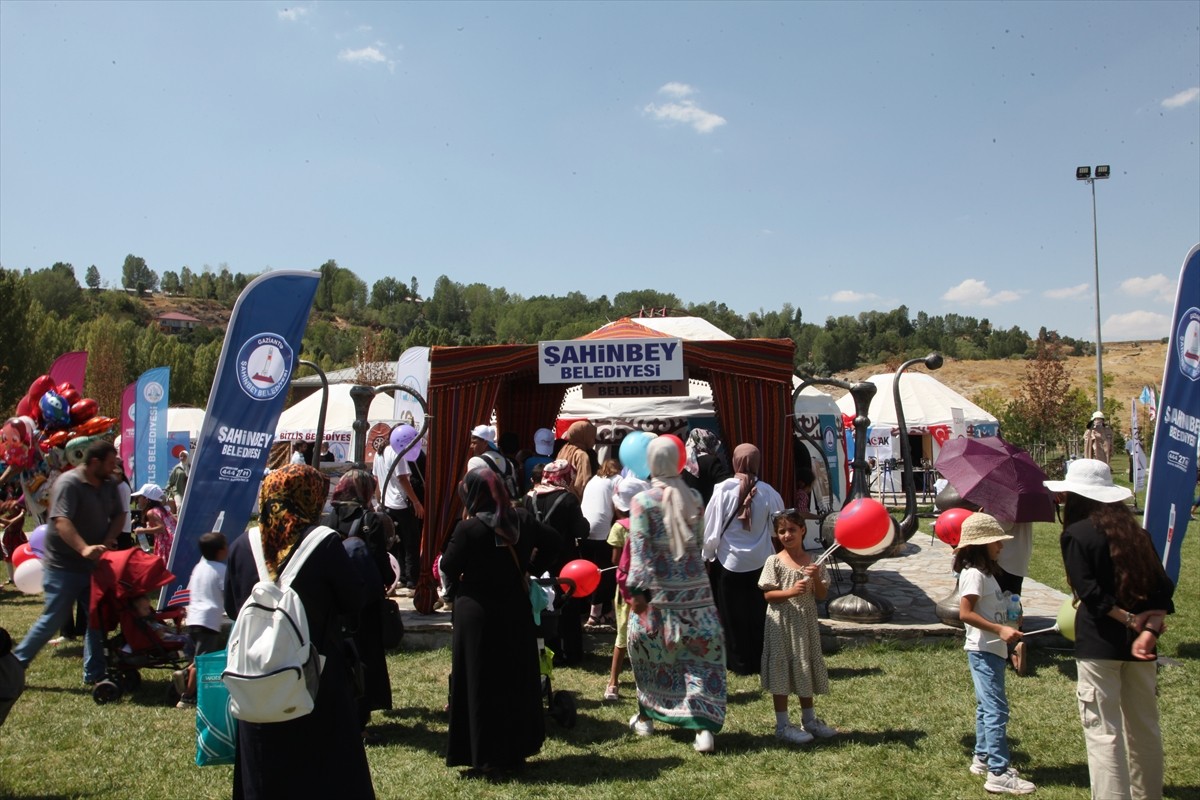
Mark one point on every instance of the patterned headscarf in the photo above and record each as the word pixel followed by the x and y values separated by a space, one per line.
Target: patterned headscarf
pixel 746 463
pixel 290 502
pixel 700 442
pixel 680 505
pixel 356 486
pixel 557 476
pixel 482 492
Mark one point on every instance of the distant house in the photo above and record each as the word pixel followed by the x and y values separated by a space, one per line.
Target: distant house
pixel 175 322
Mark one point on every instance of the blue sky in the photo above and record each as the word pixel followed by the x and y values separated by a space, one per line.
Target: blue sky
pixel 837 156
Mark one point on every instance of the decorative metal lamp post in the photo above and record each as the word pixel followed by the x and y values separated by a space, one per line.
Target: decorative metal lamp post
pixel 861 605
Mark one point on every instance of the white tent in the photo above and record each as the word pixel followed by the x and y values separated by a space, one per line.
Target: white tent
pixel 299 422
pixel 185 419
pixel 931 409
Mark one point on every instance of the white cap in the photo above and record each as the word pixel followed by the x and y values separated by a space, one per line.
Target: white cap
pixel 1098 415
pixel 150 491
pixel 485 432
pixel 543 441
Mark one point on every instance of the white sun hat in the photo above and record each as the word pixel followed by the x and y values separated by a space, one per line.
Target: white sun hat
pixel 1090 478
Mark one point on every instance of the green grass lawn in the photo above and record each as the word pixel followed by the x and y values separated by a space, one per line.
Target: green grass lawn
pixel 906 716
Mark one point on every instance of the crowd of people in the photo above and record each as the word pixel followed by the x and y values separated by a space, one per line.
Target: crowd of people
pixel 705 571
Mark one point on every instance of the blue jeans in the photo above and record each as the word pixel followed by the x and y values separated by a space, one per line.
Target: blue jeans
pixel 62 590
pixel 991 710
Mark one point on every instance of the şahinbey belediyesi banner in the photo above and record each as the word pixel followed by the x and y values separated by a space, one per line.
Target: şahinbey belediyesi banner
pixel 1177 425
pixel 258 358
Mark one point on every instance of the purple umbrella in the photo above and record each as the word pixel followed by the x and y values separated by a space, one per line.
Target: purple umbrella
pixel 999 477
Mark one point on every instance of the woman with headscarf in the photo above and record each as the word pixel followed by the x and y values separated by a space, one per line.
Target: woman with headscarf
pixel 496 718
pixel 320 754
pixel 737 540
pixel 365 537
pixel 551 502
pixel 675 640
pixel 1124 597
pixel 705 466
pixel 580 453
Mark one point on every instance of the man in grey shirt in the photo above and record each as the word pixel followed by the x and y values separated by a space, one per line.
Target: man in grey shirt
pixel 85 520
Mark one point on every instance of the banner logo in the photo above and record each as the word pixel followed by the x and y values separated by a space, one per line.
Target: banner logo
pixel 264 364
pixel 1188 337
pixel 153 392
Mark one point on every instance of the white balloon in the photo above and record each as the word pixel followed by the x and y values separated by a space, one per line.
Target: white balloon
pixel 28 576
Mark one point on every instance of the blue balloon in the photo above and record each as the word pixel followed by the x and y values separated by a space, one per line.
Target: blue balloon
pixel 633 453
pixel 56 412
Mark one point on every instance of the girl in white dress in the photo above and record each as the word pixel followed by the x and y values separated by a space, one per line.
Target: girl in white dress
pixel 792 662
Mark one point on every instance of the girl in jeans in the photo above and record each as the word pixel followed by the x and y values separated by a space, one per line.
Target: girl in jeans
pixel 983 611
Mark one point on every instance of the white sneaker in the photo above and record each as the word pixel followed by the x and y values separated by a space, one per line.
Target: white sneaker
pixel 642 727
pixel 792 734
pixel 705 742
pixel 817 727
pixel 1008 783
pixel 611 694
pixel 978 765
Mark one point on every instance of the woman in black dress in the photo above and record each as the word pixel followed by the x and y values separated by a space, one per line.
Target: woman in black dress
pixel 496 718
pixel 320 754
pixel 366 536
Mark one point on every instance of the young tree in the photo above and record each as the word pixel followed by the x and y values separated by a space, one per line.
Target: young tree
pixel 93 278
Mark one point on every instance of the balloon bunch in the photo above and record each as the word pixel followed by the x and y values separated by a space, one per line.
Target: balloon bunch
pixel 864 527
pixel 52 430
pixel 27 562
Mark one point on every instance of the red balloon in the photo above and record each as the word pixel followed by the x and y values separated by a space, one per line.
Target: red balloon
pixel 22 554
pixel 862 524
pixel 83 410
pixel 23 407
pixel 69 393
pixel 682 450
pixel 41 384
pixel 948 525
pixel 585 574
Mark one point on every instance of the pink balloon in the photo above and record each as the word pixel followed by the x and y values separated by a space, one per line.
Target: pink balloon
pixel 862 524
pixel 585 574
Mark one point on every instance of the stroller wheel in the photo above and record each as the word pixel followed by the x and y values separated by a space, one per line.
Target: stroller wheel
pixel 106 691
pixel 130 681
pixel 562 708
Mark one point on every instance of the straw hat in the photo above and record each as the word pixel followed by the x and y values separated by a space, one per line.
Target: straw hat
pixel 1092 479
pixel 981 529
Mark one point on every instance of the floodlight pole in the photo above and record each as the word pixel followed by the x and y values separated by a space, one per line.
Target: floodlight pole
pixel 1091 178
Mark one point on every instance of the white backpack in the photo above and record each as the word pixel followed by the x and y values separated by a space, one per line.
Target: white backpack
pixel 272 669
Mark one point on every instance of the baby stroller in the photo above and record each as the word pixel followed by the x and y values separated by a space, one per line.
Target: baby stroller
pixel 154 641
pixel 560 704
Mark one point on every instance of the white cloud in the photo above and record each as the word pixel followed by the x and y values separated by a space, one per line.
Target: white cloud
pixel 292 14
pixel 677 90
pixel 684 111
pixel 1182 98
pixel 1136 325
pixel 1067 292
pixel 1159 286
pixel 976 292
pixel 851 296
pixel 371 54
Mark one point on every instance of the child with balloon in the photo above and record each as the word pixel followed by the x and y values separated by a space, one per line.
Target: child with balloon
pixel 792 662
pixel 983 610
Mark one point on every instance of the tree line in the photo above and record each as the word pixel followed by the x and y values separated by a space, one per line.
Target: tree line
pixel 46 312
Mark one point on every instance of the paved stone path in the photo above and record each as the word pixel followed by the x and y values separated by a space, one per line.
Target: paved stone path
pixel 914 582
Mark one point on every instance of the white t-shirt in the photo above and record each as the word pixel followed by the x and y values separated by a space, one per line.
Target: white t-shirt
pixel 206 595
pixel 740 548
pixel 598 507
pixel 124 491
pixel 393 493
pixel 991 606
pixel 297 458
